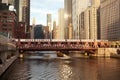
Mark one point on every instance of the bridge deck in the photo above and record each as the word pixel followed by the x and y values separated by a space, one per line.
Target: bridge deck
pixel 63 45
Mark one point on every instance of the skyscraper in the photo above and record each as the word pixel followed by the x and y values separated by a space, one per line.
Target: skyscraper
pixel 32 29
pixel 49 21
pixel 78 6
pixel 61 23
pixel 16 5
pixel 110 19
pixel 67 15
pixel 54 30
pixel 38 32
pixel 24 13
pixel 70 31
pixel 90 30
pixel 49 24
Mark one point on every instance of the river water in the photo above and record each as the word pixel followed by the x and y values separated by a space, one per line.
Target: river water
pixel 63 69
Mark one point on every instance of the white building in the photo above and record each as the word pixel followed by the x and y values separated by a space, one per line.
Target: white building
pixel 91 21
pixel 49 21
pixel 78 6
pixel 61 23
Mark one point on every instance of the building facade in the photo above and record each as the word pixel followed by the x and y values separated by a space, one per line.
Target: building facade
pixel 32 28
pixel 38 32
pixel 90 21
pixel 78 6
pixel 54 32
pixel 67 15
pixel 46 32
pixel 110 19
pixel 24 14
pixel 20 31
pixel 86 30
pixel 8 23
pixel 16 5
pixel 49 21
pixel 61 23
pixel 3 6
pixel 82 26
pixel 70 31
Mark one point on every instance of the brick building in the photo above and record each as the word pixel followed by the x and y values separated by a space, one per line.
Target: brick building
pixel 46 32
pixel 8 23
pixel 20 30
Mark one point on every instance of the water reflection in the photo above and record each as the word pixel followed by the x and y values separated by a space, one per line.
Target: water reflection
pixel 65 71
pixel 59 69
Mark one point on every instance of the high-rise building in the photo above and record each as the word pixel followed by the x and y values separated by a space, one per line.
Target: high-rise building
pixel 61 23
pixel 70 31
pixel 32 29
pixel 20 10
pixel 67 15
pixel 46 32
pixel 82 25
pixel 86 23
pixel 38 32
pixel 49 21
pixel 110 19
pixel 78 6
pixel 49 24
pixel 90 21
pixel 24 13
pixel 16 5
pixel 8 23
pixel 93 22
pixel 54 30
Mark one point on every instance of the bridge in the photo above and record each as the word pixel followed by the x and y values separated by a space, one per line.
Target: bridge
pixel 59 45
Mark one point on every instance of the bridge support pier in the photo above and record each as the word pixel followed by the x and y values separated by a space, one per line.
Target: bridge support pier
pixel 105 52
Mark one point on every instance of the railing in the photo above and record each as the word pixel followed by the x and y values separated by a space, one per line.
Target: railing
pixel 41 44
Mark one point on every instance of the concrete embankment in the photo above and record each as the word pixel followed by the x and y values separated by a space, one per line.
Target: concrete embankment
pixel 8 53
pixel 6 64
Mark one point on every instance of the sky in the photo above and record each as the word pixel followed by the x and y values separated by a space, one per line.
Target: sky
pixel 40 9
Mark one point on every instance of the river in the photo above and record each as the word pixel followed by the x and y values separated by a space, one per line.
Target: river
pixel 63 69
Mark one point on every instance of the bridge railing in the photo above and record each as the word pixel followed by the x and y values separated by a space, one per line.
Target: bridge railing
pixel 40 44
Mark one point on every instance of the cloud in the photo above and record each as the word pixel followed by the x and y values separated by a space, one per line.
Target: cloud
pixel 42 11
pixel 39 9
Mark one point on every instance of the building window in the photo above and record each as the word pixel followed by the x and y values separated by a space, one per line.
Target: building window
pixel 10 29
pixel 4 29
pixel 10 20
pixel 4 25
